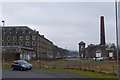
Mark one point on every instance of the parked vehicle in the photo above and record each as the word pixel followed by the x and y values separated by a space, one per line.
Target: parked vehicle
pixel 99 58
pixel 21 65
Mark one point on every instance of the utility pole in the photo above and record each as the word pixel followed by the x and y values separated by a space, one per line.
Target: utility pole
pixel 117 41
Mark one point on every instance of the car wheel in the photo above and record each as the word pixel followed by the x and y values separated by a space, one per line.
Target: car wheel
pixel 30 69
pixel 21 69
pixel 12 68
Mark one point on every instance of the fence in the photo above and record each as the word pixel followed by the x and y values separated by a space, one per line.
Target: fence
pixel 107 66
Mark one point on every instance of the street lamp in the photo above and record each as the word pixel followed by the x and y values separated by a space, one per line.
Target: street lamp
pixel 3 23
pixel 117 41
pixel 3 54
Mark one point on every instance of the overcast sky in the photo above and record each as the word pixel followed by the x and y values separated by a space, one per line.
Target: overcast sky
pixel 63 23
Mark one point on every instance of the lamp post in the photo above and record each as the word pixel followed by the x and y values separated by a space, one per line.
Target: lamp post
pixel 117 41
pixel 3 54
pixel 3 23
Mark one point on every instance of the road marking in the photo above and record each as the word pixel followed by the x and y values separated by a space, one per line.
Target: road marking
pixel 65 75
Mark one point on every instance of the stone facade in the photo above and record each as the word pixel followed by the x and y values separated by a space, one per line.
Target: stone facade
pixel 82 49
pixel 101 50
pixel 16 52
pixel 59 53
pixel 25 37
pixel 95 51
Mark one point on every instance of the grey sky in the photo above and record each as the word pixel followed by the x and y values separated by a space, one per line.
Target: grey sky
pixel 64 23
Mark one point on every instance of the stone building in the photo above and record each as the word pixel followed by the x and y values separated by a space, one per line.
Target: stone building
pixel 100 50
pixel 16 52
pixel 82 49
pixel 23 36
pixel 59 53
pixel 95 51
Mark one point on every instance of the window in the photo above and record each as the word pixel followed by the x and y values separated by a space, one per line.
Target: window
pixel 110 54
pixel 20 43
pixel 38 38
pixel 8 38
pixel 81 47
pixel 34 48
pixel 27 43
pixel 26 31
pixel 33 37
pixel 20 31
pixel 14 43
pixel 8 44
pixel 4 32
pixel 33 43
pixel 2 38
pixel 14 38
pixel 3 44
pixel 27 37
pixel 21 37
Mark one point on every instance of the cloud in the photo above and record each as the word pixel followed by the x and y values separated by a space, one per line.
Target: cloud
pixel 64 23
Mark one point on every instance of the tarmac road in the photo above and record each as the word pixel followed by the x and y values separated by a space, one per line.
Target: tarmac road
pixel 7 73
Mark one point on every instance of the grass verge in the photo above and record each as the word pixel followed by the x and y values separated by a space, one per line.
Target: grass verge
pixel 86 73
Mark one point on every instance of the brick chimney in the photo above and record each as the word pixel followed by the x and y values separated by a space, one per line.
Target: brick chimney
pixel 102 31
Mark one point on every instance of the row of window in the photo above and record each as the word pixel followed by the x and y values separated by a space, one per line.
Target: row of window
pixel 20 38
pixel 13 32
pixel 20 43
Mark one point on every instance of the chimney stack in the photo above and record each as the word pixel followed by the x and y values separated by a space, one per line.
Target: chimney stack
pixel 102 31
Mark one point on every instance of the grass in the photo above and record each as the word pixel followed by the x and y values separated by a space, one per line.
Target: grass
pixel 86 73
pixel 97 66
pixel 6 65
pixel 80 72
pixel 105 66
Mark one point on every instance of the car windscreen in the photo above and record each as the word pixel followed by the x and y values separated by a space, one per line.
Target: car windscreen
pixel 22 62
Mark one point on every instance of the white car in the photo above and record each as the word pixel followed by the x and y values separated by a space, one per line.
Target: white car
pixel 100 58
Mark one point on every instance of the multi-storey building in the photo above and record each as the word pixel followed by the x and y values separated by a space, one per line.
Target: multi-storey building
pixel 23 36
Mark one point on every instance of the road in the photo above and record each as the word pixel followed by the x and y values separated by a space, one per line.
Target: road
pixel 7 73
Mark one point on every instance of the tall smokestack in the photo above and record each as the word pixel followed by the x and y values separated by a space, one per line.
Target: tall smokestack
pixel 102 31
